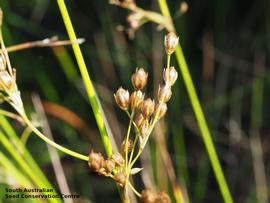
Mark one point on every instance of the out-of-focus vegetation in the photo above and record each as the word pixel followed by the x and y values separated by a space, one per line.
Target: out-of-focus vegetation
pixel 226 44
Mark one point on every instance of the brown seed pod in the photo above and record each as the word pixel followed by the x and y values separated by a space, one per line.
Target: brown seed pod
pixel 147 107
pixel 6 79
pixel 95 161
pixel 144 129
pixel 170 42
pixel 139 120
pixel 118 159
pixel 162 197
pixel 139 79
pixel 120 178
pixel 129 146
pixel 170 75
pixel 148 196
pixel 136 99
pixel 164 93
pixel 122 98
pixel 163 109
pixel 109 165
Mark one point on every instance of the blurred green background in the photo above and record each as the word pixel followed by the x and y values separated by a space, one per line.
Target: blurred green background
pixel 226 44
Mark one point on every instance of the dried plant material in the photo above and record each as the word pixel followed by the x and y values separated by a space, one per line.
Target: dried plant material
pixel 139 79
pixel 170 42
pixel 122 98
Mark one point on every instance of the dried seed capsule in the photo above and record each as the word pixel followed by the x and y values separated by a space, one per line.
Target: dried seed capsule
pixel 102 172
pixel 95 161
pixel 164 93
pixel 120 178
pixel 118 159
pixel 129 146
pixel 138 120
pixel 109 165
pixel 162 197
pixel 162 109
pixel 144 129
pixel 170 75
pixel 6 79
pixel 147 107
pixel 148 196
pixel 139 79
pixel 136 99
pixel 122 98
pixel 170 42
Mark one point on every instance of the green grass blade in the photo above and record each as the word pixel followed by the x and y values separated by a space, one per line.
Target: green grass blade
pixel 86 78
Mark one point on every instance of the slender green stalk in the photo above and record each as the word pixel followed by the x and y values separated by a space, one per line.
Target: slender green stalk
pixel 207 138
pixel 86 78
pixel 127 139
pixel 50 142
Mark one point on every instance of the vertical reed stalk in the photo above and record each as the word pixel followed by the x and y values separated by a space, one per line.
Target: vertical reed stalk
pixel 206 135
pixel 86 78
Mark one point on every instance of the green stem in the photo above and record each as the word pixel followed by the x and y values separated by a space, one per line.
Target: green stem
pixel 134 190
pixel 168 60
pixel 50 142
pixel 127 139
pixel 133 148
pixel 86 78
pixel 207 138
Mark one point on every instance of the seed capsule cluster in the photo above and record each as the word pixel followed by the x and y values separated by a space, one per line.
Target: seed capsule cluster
pixel 147 110
pixel 112 167
pixel 144 114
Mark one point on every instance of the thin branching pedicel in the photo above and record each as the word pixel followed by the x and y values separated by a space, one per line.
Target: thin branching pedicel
pixel 143 113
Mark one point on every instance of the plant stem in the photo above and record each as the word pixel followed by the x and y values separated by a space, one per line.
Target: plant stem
pixel 168 60
pixel 206 135
pixel 10 115
pixel 134 190
pixel 50 142
pixel 127 139
pixel 86 78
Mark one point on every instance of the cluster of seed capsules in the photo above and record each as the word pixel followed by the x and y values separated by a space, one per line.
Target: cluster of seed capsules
pixel 111 167
pixel 147 112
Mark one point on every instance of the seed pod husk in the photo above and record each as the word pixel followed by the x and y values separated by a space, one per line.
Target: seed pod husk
pixel 95 161
pixel 139 120
pixel 139 79
pixel 122 98
pixel 164 93
pixel 129 146
pixel 120 178
pixel 136 99
pixel 109 165
pixel 170 42
pixel 170 75
pixel 162 110
pixel 118 159
pixel 147 107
